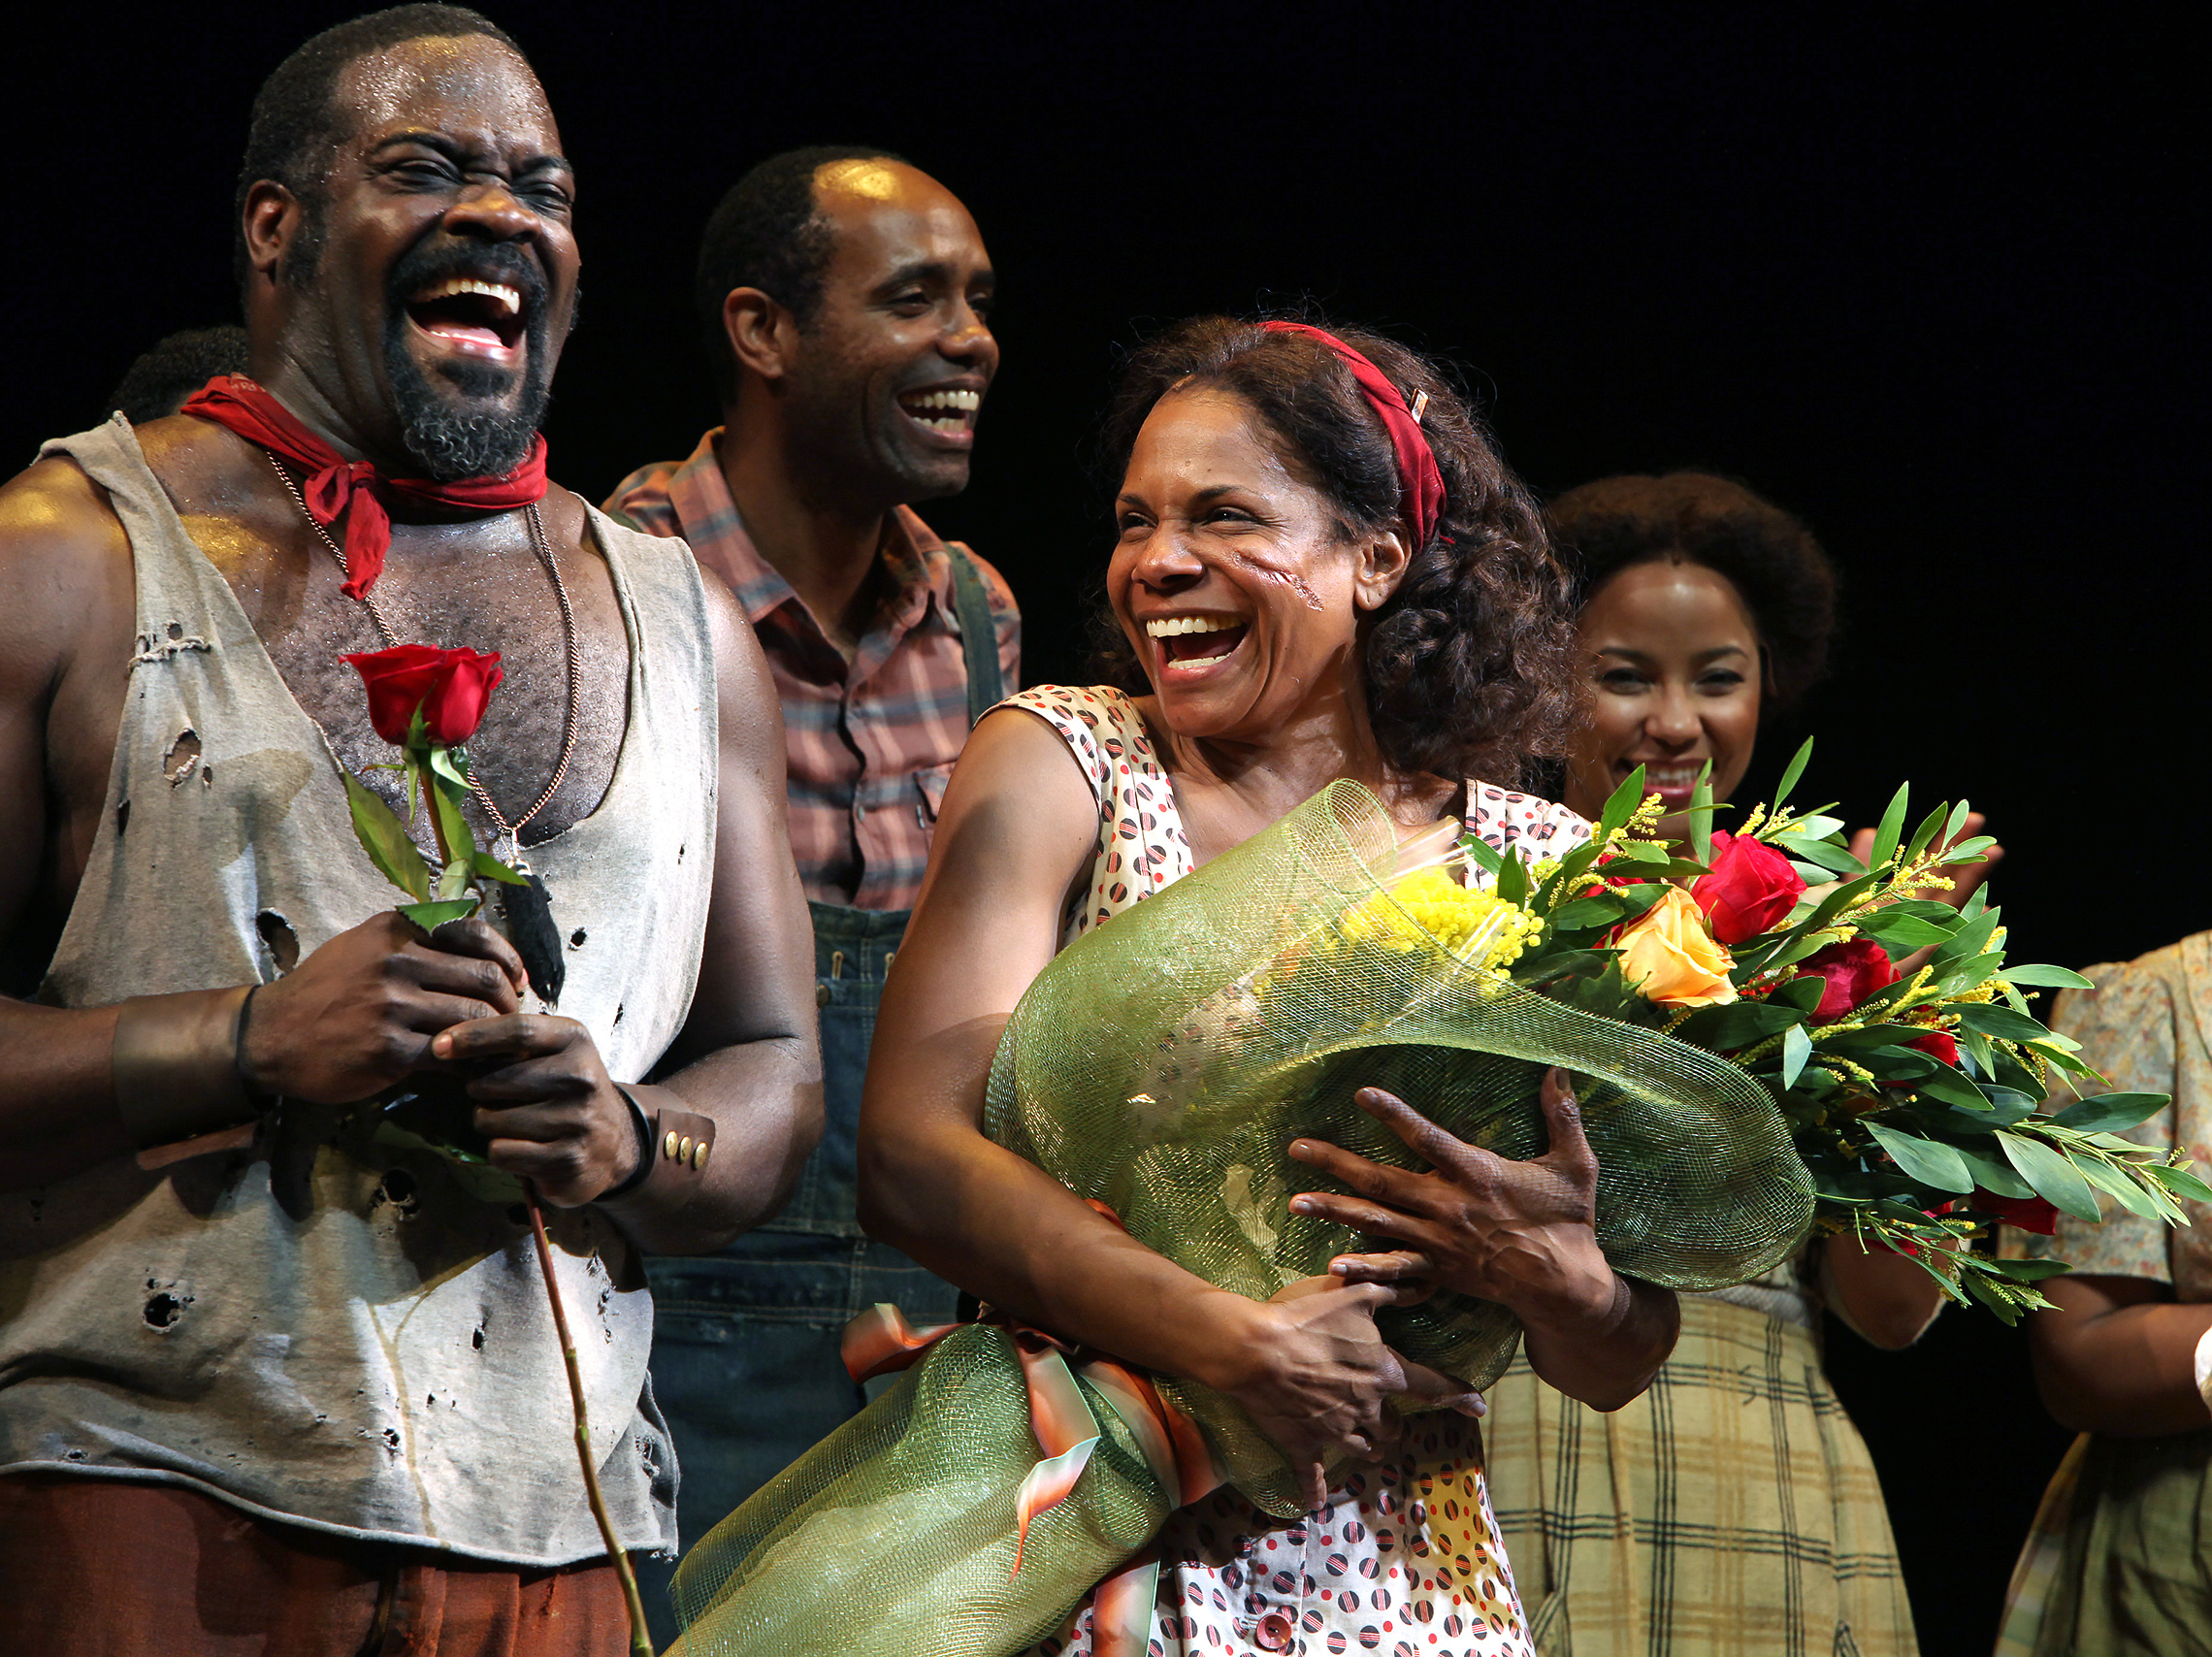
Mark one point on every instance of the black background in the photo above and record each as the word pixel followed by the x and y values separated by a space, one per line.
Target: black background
pixel 1920 278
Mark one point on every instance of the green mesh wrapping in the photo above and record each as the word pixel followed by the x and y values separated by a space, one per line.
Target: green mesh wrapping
pixel 1163 1064
pixel 896 1533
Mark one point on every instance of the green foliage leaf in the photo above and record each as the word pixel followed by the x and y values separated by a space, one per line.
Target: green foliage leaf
pixel 2057 1181
pixel 1790 774
pixel 1513 879
pixel 1796 1047
pixel 1701 816
pixel 1737 1026
pixel 2047 977
pixel 1901 934
pixel 1825 854
pixel 1482 854
pixel 2108 1113
pixel 1968 942
pixel 1993 1176
pixel 1958 821
pixel 1892 826
pixel 2025 1271
pixel 2130 1194
pixel 1600 909
pixel 2002 1022
pixel 1925 835
pixel 2181 1182
pixel 1975 905
pixel 1928 1160
pixel 1621 803
pixel 1952 1087
pixel 385 840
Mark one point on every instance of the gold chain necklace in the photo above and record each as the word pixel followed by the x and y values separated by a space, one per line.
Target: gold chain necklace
pixel 509 832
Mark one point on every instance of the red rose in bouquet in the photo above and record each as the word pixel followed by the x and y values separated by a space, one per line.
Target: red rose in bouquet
pixel 1854 971
pixel 1939 1045
pixel 1751 888
pixel 451 687
pixel 2027 1214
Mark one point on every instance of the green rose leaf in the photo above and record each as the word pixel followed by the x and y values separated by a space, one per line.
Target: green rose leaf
pixel 432 916
pixel 385 840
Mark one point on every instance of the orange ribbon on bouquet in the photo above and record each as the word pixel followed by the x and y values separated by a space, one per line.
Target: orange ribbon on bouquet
pixel 881 1342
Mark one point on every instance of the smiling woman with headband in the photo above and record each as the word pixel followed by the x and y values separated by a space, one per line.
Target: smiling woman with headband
pixel 1321 570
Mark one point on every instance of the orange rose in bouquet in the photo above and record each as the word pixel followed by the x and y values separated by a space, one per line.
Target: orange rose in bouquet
pixel 1672 957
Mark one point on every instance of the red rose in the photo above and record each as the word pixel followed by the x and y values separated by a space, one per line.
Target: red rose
pixel 2025 1214
pixel 450 686
pixel 1937 1045
pixel 1854 971
pixel 1750 889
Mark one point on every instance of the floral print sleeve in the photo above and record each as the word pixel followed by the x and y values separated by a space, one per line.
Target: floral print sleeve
pixel 2125 1026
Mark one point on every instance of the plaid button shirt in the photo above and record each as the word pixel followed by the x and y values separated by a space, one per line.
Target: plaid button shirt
pixel 871 743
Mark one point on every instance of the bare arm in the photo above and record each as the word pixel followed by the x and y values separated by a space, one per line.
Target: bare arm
pixel 65 589
pixel 1017 829
pixel 1884 1297
pixel 2116 1355
pixel 359 1012
pixel 748 1055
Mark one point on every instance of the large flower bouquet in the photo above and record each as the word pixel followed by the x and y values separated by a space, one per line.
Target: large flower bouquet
pixel 1160 1068
pixel 1893 1036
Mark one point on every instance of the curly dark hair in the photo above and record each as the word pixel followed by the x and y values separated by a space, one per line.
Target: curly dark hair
pixel 1470 665
pixel 1770 558
pixel 294 117
pixel 172 368
pixel 769 232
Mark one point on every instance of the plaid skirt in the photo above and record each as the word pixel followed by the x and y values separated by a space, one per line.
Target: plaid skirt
pixel 1730 1511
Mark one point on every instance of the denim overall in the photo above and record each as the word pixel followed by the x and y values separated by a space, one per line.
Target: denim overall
pixel 745 1347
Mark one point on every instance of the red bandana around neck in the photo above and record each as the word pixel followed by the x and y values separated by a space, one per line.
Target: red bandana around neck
pixel 334 484
pixel 1419 483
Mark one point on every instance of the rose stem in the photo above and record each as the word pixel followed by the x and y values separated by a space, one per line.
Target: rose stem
pixel 640 1640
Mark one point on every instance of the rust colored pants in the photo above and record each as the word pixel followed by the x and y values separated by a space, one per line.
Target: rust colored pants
pixel 105 1568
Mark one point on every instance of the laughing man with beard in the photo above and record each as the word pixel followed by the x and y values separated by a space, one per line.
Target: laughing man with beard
pixel 268 1377
pixel 843 296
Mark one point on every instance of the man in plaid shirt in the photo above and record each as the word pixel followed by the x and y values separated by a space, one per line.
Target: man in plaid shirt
pixel 843 296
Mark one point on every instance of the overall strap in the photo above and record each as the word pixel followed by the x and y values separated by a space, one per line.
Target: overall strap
pixel 979 634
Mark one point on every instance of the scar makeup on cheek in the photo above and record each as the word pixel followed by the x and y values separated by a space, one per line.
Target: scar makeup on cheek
pixel 1289 579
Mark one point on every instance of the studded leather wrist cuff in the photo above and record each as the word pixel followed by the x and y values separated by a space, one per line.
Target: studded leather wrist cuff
pixel 175 1065
pixel 675 1146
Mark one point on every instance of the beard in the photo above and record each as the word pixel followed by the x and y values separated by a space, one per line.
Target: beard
pixel 452 421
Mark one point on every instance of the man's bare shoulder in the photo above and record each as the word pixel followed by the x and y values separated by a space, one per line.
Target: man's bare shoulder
pixel 59 538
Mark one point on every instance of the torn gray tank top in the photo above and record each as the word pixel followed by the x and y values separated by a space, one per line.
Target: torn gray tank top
pixel 322 1329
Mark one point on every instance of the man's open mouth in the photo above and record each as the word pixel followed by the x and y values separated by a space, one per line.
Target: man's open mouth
pixel 949 414
pixel 483 319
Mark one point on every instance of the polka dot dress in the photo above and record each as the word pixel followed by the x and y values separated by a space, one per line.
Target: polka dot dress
pixel 1405 1559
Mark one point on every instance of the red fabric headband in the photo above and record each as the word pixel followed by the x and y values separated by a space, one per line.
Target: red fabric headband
pixel 1419 483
